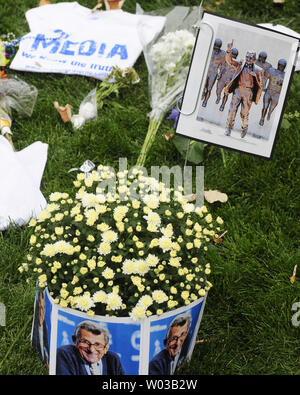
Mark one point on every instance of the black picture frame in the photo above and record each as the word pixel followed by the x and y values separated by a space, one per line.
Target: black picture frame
pixel 241 112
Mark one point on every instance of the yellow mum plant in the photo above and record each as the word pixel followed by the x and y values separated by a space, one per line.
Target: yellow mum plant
pixel 123 245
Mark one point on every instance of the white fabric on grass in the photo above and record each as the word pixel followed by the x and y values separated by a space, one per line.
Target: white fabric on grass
pixel 68 38
pixel 20 177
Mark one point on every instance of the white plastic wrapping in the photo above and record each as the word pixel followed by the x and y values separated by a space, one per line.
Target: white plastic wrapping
pixel 87 110
pixel 168 56
pixel 18 95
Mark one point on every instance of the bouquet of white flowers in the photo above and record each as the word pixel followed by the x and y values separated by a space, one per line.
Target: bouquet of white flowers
pixel 134 250
pixel 168 59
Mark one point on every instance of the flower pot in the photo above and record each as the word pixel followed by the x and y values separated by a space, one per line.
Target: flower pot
pixel 153 345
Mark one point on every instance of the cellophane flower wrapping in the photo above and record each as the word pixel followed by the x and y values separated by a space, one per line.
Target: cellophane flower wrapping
pixel 168 58
pixel 87 110
pixel 18 95
pixel 134 249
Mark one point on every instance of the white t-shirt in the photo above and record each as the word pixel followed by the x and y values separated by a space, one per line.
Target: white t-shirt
pixel 68 38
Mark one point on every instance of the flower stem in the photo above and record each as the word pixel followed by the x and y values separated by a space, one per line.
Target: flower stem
pixel 223 157
pixel 106 90
pixel 150 137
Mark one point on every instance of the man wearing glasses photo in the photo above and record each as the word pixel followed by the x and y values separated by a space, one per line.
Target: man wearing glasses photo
pixel 176 344
pixel 89 355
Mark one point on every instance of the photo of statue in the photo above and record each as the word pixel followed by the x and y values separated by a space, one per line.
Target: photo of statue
pixel 241 96
pixel 274 80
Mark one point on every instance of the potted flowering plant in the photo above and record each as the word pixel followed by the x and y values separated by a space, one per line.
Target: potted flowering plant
pixel 134 251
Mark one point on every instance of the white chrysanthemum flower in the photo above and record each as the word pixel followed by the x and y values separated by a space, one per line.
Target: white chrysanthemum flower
pixel 153 183
pixel 174 261
pixel 63 247
pixel 188 208
pixel 141 267
pixel 75 210
pixel 99 297
pixel 55 196
pixel 59 230
pixel 103 227
pixel 184 36
pixel 43 215
pixel 137 313
pixel 168 231
pixel 52 207
pixel 79 195
pixel 121 174
pixel 122 189
pixel 136 280
pixel 110 198
pixel 159 296
pixel 219 220
pixel 89 200
pixel 152 201
pixel 108 273
pixel 152 260
pixel 153 218
pixel 101 199
pixel 48 250
pixel 165 243
pixel 152 228
pixel 95 175
pixel 104 248
pixel 84 303
pixel 42 279
pixel 208 218
pixel 128 267
pixel 164 197
pixel 114 301
pixel 109 236
pixel 77 291
pixel 120 212
pixel 101 208
pixel 145 301
pixel 91 264
pixel 91 214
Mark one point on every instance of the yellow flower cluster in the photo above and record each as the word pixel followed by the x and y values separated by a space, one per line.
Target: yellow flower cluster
pixel 108 252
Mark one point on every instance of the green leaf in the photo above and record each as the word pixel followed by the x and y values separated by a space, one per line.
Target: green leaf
pixel 196 149
pixel 196 153
pixel 285 123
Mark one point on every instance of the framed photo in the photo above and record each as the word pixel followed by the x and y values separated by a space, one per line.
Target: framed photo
pixel 237 85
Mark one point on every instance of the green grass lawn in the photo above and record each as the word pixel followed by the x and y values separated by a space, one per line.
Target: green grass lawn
pixel 246 327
